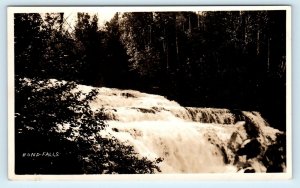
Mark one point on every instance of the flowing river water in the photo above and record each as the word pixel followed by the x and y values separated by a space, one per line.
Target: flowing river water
pixel 188 139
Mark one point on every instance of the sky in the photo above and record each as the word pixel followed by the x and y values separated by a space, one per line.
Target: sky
pixel 103 16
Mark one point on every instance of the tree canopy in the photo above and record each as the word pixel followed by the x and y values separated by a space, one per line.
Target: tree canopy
pixel 233 59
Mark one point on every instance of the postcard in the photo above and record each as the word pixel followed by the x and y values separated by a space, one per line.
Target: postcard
pixel 153 92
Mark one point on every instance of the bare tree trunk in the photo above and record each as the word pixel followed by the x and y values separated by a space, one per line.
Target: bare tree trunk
pixel 176 41
pixel 61 21
pixel 150 34
pixel 190 25
pixel 166 49
pixel 258 42
pixel 268 60
pixel 198 20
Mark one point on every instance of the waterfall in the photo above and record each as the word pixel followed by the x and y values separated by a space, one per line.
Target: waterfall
pixel 188 139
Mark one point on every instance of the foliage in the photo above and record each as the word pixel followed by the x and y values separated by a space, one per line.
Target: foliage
pixel 275 156
pixel 28 41
pixel 53 118
pixel 117 72
pixel 233 59
pixel 222 58
pixel 90 50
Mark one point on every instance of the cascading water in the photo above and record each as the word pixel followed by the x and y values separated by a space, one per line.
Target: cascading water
pixel 189 140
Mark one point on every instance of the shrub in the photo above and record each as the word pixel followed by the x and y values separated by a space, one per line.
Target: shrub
pixel 54 121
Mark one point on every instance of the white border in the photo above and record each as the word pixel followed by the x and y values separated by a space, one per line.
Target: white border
pixel 176 177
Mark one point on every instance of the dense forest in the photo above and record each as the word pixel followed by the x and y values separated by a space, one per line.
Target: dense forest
pixel 232 59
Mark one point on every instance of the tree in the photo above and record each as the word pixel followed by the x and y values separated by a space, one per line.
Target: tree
pixel 59 57
pixel 28 44
pixel 90 49
pixel 117 72
pixel 136 29
pixel 234 59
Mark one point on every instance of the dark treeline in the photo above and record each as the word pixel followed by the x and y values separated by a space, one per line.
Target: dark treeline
pixel 231 59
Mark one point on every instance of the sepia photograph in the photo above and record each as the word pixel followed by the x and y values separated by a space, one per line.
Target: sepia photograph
pixel 199 91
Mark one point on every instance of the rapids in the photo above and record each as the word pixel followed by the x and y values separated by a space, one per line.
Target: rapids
pixel 188 139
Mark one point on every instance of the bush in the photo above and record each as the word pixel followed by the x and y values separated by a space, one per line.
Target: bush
pixel 56 132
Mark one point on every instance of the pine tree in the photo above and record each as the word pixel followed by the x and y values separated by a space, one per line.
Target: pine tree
pixel 28 44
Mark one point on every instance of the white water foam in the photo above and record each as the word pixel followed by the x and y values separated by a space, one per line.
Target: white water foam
pixel 190 140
